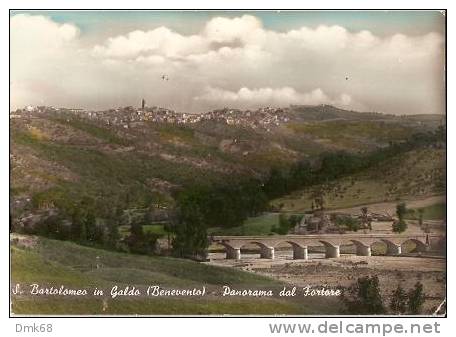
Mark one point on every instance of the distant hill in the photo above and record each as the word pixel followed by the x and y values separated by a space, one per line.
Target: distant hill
pixel 308 113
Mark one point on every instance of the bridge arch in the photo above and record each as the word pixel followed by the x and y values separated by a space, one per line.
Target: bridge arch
pixel 232 251
pixel 266 252
pixel 420 246
pixel 331 249
pixel 256 243
pixel 300 250
pixel 225 244
pixel 393 247
pixel 362 248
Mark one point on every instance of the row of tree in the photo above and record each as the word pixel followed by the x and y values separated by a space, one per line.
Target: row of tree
pixel 81 225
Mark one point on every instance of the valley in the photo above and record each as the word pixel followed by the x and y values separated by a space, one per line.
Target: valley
pixel 106 197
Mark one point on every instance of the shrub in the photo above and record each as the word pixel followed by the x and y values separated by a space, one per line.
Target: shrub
pixel 399 226
pixel 398 302
pixel 364 297
pixel 348 222
pixel 416 299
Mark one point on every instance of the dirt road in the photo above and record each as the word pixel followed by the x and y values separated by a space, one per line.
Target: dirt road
pixel 390 206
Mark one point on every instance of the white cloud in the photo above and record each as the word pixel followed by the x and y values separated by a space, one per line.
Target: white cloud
pixel 248 98
pixel 237 60
pixel 40 32
pixel 245 29
pixel 160 41
pixel 39 54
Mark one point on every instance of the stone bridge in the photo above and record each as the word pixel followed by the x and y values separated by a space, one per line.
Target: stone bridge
pixel 331 242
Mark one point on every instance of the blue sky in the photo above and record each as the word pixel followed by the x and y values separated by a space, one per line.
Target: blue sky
pixel 380 22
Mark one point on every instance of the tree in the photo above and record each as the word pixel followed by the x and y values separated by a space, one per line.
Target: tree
pixel 190 236
pixel 319 198
pixel 138 241
pixel 416 299
pixel 398 302
pixel 83 233
pixel 364 297
pixel 282 228
pixel 276 184
pixel 252 197
pixel 300 175
pixel 52 226
pixel 401 210
pixel 169 227
pixel 285 224
pixel 294 220
pixel 76 225
pixel 137 230
pixel 112 233
pixel 400 225
pixel 94 232
pixel 365 218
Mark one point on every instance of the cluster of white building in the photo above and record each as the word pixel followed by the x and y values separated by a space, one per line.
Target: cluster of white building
pixel 129 116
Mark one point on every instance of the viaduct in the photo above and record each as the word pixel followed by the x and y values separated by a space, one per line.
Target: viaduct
pixel 331 242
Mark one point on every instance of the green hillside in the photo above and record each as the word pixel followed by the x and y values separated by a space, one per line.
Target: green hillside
pixel 60 157
pixel 412 175
pixel 108 172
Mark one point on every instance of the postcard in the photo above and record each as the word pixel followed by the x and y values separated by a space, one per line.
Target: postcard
pixel 228 163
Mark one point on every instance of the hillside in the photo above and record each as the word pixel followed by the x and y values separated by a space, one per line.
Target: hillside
pixel 414 175
pixel 134 158
pixel 56 263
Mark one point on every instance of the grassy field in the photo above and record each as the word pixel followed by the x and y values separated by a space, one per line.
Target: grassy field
pixel 91 129
pixel 260 225
pixel 352 135
pixel 157 307
pixel 124 230
pixel 413 175
pixel 432 212
pixel 55 263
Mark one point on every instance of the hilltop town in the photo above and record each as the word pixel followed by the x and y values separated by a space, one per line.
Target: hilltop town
pixel 129 116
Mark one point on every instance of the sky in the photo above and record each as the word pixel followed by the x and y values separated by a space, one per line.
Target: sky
pixel 195 61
